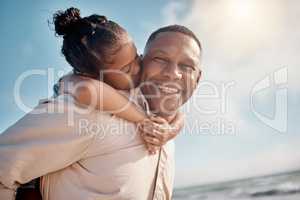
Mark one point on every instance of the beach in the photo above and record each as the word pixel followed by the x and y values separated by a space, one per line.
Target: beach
pixel 285 186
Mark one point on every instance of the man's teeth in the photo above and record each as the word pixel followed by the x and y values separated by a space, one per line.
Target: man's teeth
pixel 168 90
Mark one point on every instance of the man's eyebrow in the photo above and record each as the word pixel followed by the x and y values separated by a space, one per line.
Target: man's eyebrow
pixel 160 51
pixel 192 61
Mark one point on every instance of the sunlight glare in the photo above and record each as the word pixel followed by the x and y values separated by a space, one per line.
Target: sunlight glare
pixel 243 10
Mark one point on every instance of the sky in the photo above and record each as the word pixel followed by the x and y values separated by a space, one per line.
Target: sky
pixel 242 120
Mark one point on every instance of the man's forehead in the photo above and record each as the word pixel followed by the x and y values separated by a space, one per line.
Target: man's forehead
pixel 173 38
pixel 168 41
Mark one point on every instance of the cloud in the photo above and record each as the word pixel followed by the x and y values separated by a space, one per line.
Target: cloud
pixel 244 42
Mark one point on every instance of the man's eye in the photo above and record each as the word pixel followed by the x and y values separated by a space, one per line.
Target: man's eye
pixel 159 59
pixel 187 67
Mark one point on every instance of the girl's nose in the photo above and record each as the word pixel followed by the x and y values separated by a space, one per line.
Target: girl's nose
pixel 136 68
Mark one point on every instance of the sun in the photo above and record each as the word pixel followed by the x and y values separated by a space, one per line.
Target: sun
pixel 243 10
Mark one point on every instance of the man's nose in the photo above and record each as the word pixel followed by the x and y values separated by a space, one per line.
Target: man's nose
pixel 172 72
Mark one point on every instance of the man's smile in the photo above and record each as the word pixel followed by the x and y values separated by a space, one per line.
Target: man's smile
pixel 168 89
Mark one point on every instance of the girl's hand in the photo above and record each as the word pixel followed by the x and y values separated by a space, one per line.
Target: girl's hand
pixel 156 131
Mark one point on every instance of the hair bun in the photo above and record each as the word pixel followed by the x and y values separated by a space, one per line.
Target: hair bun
pixel 64 20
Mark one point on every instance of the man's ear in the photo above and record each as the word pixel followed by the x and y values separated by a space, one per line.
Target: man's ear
pixel 141 60
pixel 199 76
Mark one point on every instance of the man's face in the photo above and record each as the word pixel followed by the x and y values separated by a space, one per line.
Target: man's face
pixel 171 70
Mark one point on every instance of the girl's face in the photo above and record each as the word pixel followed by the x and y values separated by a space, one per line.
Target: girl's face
pixel 123 70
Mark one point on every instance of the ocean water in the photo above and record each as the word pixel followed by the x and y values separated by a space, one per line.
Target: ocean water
pixel 274 187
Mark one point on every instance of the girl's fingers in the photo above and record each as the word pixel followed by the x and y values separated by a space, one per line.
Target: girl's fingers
pixel 152 149
pixel 152 129
pixel 152 140
pixel 156 134
pixel 149 126
pixel 159 120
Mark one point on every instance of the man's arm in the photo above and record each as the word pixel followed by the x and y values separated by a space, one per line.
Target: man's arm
pixel 37 145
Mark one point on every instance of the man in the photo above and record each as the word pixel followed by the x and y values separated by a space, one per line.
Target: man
pixel 102 157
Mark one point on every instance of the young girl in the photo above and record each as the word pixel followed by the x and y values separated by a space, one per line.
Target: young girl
pixel 104 60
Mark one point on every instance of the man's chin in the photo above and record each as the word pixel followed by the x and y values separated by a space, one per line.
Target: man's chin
pixel 165 106
pixel 165 111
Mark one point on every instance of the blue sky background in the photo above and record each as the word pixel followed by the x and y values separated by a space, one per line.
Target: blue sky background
pixel 243 44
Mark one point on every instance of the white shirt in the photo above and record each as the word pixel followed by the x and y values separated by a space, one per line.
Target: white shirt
pixel 91 156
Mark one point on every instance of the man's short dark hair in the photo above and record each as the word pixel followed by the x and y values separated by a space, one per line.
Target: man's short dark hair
pixel 174 28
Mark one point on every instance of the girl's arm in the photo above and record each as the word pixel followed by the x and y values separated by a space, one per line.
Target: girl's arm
pixel 101 96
